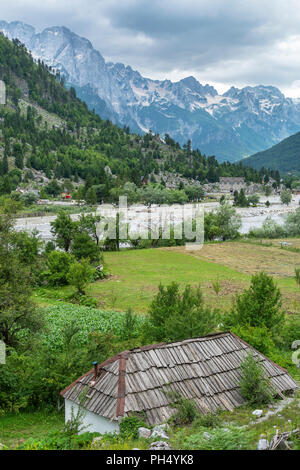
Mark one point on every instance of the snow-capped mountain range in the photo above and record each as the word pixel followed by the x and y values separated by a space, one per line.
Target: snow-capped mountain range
pixel 231 126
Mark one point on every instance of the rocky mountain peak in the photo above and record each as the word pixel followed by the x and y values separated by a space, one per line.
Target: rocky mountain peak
pixel 233 125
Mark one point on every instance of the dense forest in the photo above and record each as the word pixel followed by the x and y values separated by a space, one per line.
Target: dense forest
pixel 283 156
pixel 45 127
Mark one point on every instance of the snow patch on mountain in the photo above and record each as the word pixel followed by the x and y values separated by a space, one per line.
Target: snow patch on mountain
pixel 237 123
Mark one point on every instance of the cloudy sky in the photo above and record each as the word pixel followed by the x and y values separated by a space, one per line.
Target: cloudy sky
pixel 221 42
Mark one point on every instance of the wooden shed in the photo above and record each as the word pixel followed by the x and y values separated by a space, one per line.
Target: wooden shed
pixel 205 370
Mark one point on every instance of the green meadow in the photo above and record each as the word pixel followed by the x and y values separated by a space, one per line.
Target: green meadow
pixel 136 274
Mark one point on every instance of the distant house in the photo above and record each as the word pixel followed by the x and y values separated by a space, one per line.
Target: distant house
pixel 231 184
pixel 66 196
pixel 143 180
pixel 296 190
pixel 205 370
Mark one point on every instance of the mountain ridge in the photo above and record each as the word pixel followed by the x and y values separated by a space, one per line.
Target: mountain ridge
pixel 48 135
pixel 230 126
pixel 284 156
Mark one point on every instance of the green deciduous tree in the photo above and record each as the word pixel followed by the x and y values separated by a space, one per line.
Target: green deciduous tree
pixel 63 229
pixel 58 265
pixel 254 385
pixel 17 311
pixel 176 315
pixel 84 247
pixel 286 197
pixel 80 274
pixel 258 306
pixel 228 221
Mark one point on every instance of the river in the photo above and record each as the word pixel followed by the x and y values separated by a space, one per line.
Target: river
pixel 251 217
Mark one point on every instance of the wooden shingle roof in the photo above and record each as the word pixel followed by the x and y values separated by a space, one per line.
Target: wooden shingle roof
pixel 205 370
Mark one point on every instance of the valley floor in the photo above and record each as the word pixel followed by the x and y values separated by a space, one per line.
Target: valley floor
pixel 136 274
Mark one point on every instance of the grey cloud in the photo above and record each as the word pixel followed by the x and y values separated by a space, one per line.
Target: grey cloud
pixel 231 42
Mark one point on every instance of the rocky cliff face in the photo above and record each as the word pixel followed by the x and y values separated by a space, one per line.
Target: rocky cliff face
pixel 233 125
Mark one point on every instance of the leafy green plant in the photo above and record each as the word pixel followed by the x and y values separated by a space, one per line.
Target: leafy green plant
pixel 207 420
pixel 218 439
pixel 258 337
pixel 258 306
pixel 86 301
pixel 185 412
pixel 130 321
pixel 129 426
pixel 255 386
pixel 88 319
pixel 297 276
pixel 216 285
pixel 60 440
pixel 58 265
pixel 79 275
pixel 176 315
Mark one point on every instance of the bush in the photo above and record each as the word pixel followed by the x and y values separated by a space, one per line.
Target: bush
pixel 286 197
pixel 254 385
pixel 257 337
pixel 58 264
pixel 60 440
pixel 293 223
pixel 218 439
pixel 29 198
pixel 79 275
pixel 185 410
pixel 258 306
pixel 208 420
pixel 291 331
pixel 129 426
pixel 84 247
pixel 270 229
pixel 176 315
pixel 86 301
pixel 223 223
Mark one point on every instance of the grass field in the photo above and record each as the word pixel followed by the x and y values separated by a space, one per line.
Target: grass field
pixel 17 428
pixel 136 274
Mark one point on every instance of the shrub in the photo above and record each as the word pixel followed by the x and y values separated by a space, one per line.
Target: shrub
pixel 297 276
pixel 59 440
pixel 216 285
pixel 293 223
pixel 29 198
pixel 185 409
pixel 269 229
pixel 84 247
pixel 291 331
pixel 258 306
pixel 130 321
pixel 218 439
pixel 79 275
pixel 254 385
pixel 286 197
pixel 258 337
pixel 129 426
pixel 208 420
pixel 176 315
pixel 58 264
pixel 86 301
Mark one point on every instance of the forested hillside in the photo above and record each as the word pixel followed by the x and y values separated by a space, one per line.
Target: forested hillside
pixel 45 128
pixel 284 156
